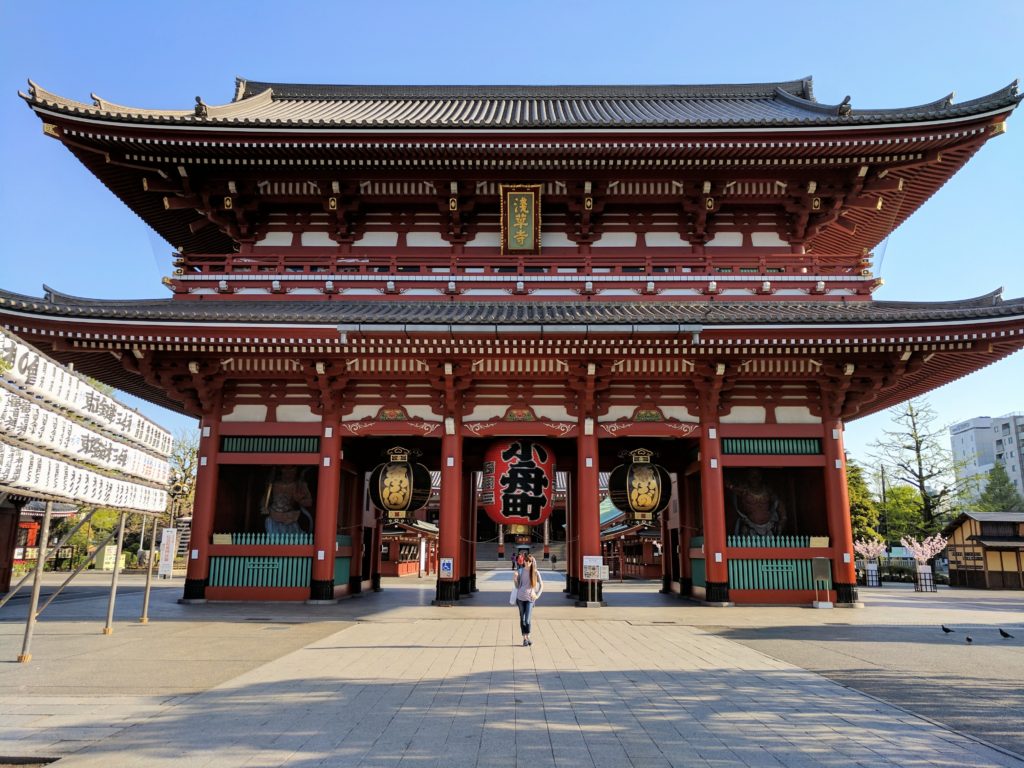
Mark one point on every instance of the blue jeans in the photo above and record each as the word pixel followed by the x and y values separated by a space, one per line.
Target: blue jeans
pixel 525 615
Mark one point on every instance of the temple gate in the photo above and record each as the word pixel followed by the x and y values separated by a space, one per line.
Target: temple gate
pixel 684 270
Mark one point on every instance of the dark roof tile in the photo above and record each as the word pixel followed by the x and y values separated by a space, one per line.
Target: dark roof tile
pixel 767 105
pixel 607 313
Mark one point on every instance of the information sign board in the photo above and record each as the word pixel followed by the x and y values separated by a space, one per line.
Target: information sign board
pixel 168 547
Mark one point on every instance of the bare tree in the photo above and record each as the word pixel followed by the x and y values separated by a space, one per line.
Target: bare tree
pixel 184 461
pixel 915 454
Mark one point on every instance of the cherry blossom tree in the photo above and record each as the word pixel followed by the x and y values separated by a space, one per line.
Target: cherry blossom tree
pixel 923 551
pixel 869 549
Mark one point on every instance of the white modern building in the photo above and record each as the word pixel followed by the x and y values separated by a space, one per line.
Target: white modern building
pixel 979 443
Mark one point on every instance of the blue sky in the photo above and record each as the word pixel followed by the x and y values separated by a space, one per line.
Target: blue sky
pixel 61 227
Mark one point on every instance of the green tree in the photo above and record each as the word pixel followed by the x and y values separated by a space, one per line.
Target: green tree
pixel 902 513
pixel 916 453
pixel 86 538
pixel 999 494
pixel 863 507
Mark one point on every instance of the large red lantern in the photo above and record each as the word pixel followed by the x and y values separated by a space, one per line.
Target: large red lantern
pixel 518 481
pixel 641 488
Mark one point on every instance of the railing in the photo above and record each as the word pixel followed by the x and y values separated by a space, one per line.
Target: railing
pixel 441 262
pixel 768 542
pixel 266 539
pixel 437 273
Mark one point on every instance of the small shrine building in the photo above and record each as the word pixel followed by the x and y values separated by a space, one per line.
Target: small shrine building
pixel 678 272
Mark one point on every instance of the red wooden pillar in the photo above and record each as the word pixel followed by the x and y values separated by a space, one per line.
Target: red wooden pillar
pixel 666 549
pixel 203 508
pixel 466 566
pixel 352 514
pixel 357 528
pixel 376 545
pixel 687 522
pixel 571 534
pixel 474 516
pixel 588 507
pixel 837 502
pixel 712 491
pixel 325 529
pixel 449 521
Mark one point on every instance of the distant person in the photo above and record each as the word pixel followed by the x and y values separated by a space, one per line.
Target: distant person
pixel 529 587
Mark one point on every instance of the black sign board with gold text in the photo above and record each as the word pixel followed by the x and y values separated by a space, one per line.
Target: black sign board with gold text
pixel 520 218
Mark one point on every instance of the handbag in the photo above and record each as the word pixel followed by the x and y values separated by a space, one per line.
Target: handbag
pixel 512 595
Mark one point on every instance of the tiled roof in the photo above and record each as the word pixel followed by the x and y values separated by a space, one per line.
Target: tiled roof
pixel 764 105
pixel 406 315
pixel 986 517
pixel 996 517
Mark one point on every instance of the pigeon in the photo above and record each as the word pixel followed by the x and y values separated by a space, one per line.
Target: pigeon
pixel 946 629
pixel 970 639
pixel 1005 634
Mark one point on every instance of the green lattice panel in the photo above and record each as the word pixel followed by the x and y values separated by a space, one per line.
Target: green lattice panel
pixel 698 573
pixel 771 446
pixel 269 444
pixel 770 574
pixel 260 571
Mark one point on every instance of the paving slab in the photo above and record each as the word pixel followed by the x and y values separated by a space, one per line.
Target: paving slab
pixel 387 679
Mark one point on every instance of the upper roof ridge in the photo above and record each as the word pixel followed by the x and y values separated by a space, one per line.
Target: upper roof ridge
pixel 245 89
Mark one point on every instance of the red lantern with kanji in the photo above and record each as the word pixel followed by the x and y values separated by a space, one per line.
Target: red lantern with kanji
pixel 518 481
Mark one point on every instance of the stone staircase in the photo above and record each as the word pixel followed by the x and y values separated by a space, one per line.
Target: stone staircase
pixel 487 556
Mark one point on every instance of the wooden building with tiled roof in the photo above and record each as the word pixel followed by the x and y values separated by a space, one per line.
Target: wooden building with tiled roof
pixel 684 270
pixel 986 550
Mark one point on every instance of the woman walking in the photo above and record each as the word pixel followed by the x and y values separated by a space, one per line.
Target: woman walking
pixel 529 587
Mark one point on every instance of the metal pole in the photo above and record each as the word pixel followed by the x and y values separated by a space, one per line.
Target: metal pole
pixel 109 628
pixel 144 618
pixel 142 534
pixel 30 623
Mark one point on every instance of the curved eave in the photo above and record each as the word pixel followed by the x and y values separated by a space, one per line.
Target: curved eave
pixel 625 109
pixel 633 315
pixel 968 335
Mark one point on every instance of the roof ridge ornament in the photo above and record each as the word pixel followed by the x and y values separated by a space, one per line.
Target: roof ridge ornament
pixel 808 83
pixel 201 108
pixel 844 109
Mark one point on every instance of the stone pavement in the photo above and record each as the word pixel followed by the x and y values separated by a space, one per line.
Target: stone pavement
pixel 389 680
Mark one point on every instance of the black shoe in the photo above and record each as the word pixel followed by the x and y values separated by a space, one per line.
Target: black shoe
pixel 528 642
pixel 525 642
